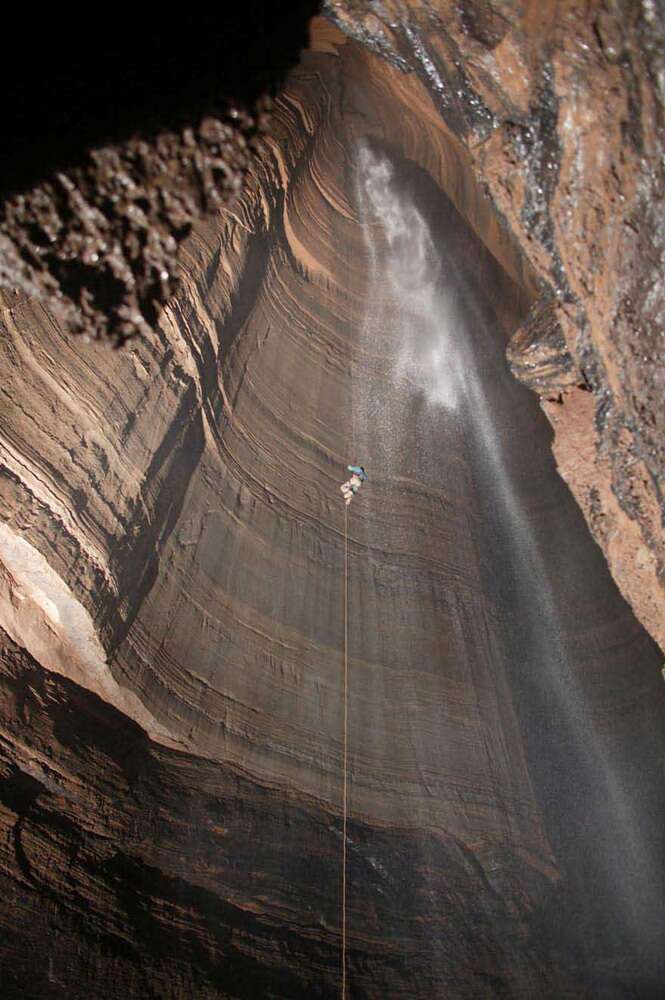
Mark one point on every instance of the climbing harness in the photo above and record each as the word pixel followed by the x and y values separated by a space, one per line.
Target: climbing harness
pixel 345 752
pixel 352 485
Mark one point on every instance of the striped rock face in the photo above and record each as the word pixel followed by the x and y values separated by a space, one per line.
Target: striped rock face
pixel 172 605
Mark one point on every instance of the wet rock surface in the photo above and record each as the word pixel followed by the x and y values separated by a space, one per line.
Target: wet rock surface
pixel 561 111
pixel 128 870
pixel 170 752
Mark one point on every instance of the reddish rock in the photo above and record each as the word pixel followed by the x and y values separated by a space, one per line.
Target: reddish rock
pixel 560 110
pixel 171 594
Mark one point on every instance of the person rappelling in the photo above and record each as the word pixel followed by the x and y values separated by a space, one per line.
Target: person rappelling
pixel 353 484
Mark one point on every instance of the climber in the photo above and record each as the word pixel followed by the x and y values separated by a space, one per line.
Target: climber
pixel 352 485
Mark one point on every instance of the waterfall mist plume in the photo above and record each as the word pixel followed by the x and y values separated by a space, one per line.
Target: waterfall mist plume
pixel 424 322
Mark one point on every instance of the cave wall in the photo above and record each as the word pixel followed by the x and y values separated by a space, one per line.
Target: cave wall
pixel 114 147
pixel 559 110
pixel 205 540
pixel 556 108
pixel 184 493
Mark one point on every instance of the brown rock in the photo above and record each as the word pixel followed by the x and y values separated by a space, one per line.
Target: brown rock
pixel 561 111
pixel 173 549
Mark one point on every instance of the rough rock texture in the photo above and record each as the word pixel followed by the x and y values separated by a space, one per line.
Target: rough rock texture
pixel 171 605
pixel 112 148
pixel 168 876
pixel 559 112
pixel 98 243
pixel 559 107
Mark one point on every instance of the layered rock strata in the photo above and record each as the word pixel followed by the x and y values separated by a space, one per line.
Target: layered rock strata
pixel 172 610
pixel 559 110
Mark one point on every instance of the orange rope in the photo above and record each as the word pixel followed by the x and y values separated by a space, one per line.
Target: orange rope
pixel 346 704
